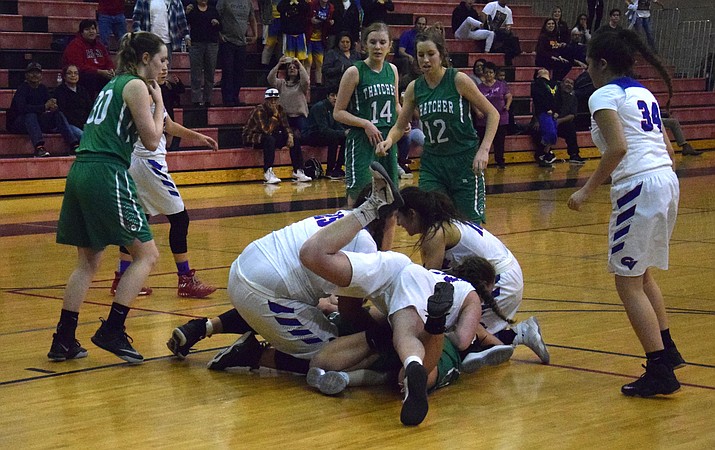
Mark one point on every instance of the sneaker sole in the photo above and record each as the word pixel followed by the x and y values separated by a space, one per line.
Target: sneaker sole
pixel 439 304
pixel 398 202
pixel 203 295
pixel 415 406
pixel 332 383
pixel 312 378
pixel 541 351
pixel 494 356
pixel 138 359
pixel 60 358
pixel 637 395
pixel 214 364
pixel 177 340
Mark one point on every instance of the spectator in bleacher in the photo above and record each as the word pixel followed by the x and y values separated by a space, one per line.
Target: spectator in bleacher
pixel 414 138
pixel 467 26
pixel 171 90
pixel 338 60
pixel 111 20
pixel 614 20
pixel 321 24
pixel 549 49
pixel 268 128
pixel 404 58
pixel 477 74
pixel 90 56
pixel 321 129
pixel 235 17
pixel 375 11
pixel 545 98
pixel 166 19
pixel 566 122
pixel 73 100
pixel 205 26
pixel 563 32
pixel 293 90
pixel 272 35
pixel 295 17
pixel 497 92
pixel 499 18
pixel 347 19
pixel 673 125
pixel 582 27
pixel 639 14
pixel 32 111
pixel 595 11
pixel 575 51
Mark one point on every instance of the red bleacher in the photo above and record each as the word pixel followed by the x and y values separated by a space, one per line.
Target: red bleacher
pixel 694 107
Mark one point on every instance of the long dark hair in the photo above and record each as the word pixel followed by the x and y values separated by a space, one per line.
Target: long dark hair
pixel 480 274
pixel 435 210
pixel 619 49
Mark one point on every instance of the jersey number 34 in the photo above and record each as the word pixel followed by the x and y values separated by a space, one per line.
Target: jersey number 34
pixel 650 117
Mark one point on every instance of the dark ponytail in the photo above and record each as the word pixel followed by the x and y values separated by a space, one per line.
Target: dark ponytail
pixel 619 49
pixel 480 273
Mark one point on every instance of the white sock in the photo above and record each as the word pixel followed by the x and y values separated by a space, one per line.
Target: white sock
pixel 365 213
pixel 209 328
pixel 412 358
pixel 366 377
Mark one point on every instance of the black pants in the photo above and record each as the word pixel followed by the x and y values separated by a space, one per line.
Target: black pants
pixel 335 141
pixel 272 141
pixel 506 42
pixel 595 10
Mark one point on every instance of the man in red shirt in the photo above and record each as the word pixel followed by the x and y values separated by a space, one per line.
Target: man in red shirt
pixel 91 58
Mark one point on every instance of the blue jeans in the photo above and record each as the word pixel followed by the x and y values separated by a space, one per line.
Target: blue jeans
pixel 233 61
pixel 109 25
pixel 34 124
pixel 643 23
pixel 203 67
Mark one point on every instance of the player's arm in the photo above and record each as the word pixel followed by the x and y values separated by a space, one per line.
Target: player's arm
pixel 467 323
pixel 610 125
pixel 351 310
pixel 467 89
pixel 403 119
pixel 138 96
pixel 175 129
pixel 433 249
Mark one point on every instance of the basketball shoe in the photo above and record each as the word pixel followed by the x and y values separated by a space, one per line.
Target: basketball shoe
pixel 657 379
pixel 62 351
pixel 185 336
pixel 528 333
pixel 245 352
pixel 192 287
pixel 117 342
pixel 145 291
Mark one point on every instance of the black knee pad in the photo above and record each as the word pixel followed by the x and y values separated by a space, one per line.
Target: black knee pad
pixel 178 231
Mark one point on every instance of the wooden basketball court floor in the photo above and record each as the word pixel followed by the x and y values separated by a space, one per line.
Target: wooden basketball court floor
pixel 101 402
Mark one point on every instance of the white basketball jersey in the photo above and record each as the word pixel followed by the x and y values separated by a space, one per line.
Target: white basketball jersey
pixel 476 241
pixel 281 250
pixel 640 116
pixel 160 152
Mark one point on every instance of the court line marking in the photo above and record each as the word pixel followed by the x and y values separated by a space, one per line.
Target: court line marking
pixel 171 357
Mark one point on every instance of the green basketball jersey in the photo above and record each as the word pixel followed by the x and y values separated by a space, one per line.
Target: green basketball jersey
pixel 110 128
pixel 446 117
pixel 374 96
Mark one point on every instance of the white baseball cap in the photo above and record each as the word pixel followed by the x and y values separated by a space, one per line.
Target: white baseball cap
pixel 272 93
